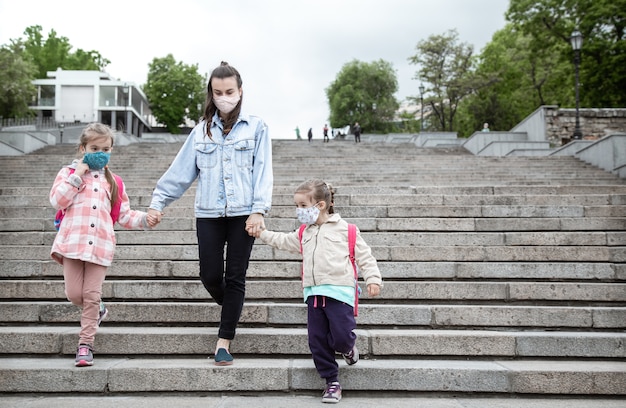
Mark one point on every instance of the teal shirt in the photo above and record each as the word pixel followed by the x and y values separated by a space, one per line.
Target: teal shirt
pixel 345 294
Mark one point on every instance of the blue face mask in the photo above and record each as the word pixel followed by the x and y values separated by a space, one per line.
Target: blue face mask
pixel 97 160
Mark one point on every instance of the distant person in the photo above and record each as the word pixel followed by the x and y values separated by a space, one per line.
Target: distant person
pixel 93 200
pixel 298 133
pixel 310 134
pixel 328 278
pixel 357 132
pixel 229 153
pixel 326 139
pixel 485 127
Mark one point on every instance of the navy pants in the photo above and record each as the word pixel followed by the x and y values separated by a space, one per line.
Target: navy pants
pixel 226 283
pixel 331 327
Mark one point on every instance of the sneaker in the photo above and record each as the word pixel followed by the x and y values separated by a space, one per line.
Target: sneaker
pixel 103 313
pixel 332 393
pixel 223 357
pixel 84 356
pixel 352 357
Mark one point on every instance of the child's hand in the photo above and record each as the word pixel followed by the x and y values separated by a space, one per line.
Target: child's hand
pixel 81 169
pixel 154 217
pixel 373 290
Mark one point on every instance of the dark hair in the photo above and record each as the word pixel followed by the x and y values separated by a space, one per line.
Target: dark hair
pixel 320 191
pixel 223 71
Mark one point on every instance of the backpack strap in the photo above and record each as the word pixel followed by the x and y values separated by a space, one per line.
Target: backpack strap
pixel 300 232
pixel 115 210
pixel 351 245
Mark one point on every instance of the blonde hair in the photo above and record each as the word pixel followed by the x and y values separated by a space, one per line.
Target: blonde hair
pixel 95 131
pixel 320 191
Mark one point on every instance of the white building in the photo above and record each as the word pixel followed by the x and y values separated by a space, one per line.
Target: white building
pixel 92 96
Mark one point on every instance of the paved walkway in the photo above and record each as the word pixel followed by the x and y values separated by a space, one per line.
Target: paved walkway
pixel 302 401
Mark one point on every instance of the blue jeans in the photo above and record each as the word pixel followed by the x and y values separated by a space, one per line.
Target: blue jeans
pixel 225 283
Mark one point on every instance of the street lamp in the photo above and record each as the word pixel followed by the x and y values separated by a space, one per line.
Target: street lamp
pixel 577 43
pixel 125 90
pixel 421 88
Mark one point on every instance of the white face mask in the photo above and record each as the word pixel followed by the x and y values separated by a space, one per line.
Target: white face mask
pixel 226 104
pixel 308 215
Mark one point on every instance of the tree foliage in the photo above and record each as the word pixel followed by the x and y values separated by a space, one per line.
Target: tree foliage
pixel 446 68
pixel 176 91
pixel 520 80
pixel 16 73
pixel 363 92
pixel 54 52
pixel 549 24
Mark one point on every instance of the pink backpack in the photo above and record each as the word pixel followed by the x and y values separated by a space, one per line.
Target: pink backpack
pixel 115 211
pixel 351 244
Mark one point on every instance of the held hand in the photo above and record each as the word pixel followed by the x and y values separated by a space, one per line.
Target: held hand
pixel 154 217
pixel 255 224
pixel 373 290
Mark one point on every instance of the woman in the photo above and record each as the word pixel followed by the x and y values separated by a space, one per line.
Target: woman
pixel 230 153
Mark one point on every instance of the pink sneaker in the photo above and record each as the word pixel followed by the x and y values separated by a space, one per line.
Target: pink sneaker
pixel 84 356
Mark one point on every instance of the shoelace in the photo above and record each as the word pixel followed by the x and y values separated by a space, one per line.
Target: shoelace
pixel 83 351
pixel 332 388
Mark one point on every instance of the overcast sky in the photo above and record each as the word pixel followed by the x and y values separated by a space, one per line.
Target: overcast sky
pixel 287 51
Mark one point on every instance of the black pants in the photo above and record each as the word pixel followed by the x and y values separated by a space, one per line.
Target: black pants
pixel 330 324
pixel 227 286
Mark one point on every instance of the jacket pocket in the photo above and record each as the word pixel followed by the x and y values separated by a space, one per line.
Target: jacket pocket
pixel 244 153
pixel 206 155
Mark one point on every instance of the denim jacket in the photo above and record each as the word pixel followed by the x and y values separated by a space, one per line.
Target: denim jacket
pixel 234 172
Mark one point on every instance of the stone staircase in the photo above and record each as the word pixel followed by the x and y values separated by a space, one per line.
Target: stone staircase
pixel 503 276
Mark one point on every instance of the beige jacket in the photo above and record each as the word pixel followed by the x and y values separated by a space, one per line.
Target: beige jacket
pixel 326 254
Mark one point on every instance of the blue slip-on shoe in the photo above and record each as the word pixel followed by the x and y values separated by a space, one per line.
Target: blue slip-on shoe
pixel 223 357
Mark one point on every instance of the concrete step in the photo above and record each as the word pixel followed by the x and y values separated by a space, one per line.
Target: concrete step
pixel 292 342
pixel 380 239
pixel 397 291
pixel 19 219
pixel 144 189
pixel 311 399
pixel 279 290
pixel 124 375
pixel 42 200
pixel 278 314
pixel 444 253
pixel 528 271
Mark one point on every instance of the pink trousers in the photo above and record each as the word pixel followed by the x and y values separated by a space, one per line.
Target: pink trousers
pixel 83 287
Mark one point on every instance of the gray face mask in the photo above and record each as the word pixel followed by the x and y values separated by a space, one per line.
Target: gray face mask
pixel 308 215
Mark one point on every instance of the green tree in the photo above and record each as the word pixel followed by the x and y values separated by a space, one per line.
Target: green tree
pixel 549 24
pixel 16 74
pixel 363 92
pixel 54 52
pixel 446 67
pixel 519 81
pixel 176 91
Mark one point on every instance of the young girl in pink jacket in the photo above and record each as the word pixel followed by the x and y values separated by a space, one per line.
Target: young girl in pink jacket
pixel 87 191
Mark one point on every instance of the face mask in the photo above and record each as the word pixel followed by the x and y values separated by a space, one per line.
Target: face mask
pixel 226 104
pixel 308 215
pixel 97 160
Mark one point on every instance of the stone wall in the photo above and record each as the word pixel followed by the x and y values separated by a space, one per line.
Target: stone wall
pixel 594 123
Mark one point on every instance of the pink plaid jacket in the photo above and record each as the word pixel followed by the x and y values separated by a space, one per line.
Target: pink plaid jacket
pixel 86 232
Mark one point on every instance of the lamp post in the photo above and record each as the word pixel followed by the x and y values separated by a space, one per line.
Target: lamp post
pixel 577 43
pixel 421 88
pixel 125 90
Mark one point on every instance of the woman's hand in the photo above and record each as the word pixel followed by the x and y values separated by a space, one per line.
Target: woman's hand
pixel 255 224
